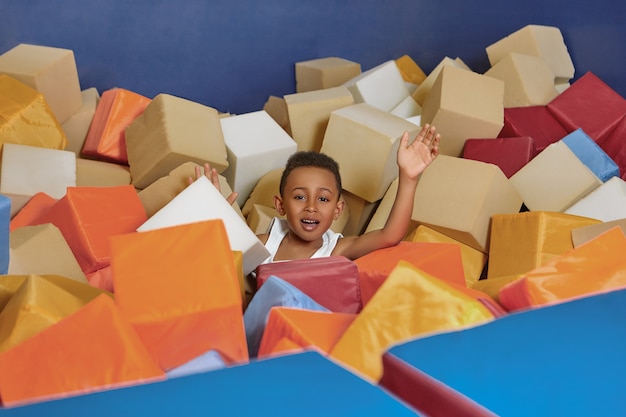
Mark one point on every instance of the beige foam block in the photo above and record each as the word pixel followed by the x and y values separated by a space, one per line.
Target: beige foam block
pixel 26 117
pixel 256 144
pixel 545 42
pixel 28 170
pixel 422 91
pixel 463 104
pixel 51 71
pixel 411 72
pixel 554 179
pixel 327 72
pixel 582 235
pixel 277 109
pixel 605 203
pixel 309 113
pixel 361 212
pixel 170 132
pixel 77 126
pixel 364 141
pixel 93 173
pixel 382 86
pixel 264 191
pixel 383 208
pixel 528 80
pixel 407 108
pixel 42 249
pixel 260 218
pixel 202 201
pixel 457 197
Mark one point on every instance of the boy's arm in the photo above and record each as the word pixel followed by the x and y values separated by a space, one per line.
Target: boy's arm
pixel 413 158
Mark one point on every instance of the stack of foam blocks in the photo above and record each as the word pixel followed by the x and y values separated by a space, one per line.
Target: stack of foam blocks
pixel 125 285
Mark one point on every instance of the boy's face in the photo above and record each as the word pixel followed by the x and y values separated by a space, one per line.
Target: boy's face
pixel 310 202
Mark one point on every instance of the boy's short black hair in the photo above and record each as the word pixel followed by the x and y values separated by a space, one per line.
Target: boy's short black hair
pixel 310 159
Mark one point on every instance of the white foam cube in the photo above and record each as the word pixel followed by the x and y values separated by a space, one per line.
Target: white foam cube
pixel 77 126
pixel 605 203
pixel 382 86
pixel 407 108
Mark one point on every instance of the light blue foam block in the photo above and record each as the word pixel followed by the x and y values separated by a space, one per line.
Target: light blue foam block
pixel 5 220
pixel 592 155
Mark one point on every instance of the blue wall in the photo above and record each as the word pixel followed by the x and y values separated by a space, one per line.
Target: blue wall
pixel 232 55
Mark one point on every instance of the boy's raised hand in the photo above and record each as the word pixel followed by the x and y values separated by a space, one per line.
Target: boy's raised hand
pixel 212 175
pixel 413 158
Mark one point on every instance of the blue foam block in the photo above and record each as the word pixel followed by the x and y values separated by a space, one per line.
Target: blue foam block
pixel 591 154
pixel 5 220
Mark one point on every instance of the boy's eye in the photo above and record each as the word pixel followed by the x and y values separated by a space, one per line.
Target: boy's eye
pixel 324 199
pixel 299 197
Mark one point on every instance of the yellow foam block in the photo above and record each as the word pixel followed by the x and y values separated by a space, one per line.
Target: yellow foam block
pixel 463 104
pixel 77 126
pixel 327 72
pixel 457 197
pixel 422 91
pixel 277 109
pixel 411 72
pixel 528 80
pixel 170 132
pixel 382 86
pixel 492 286
pixel 51 71
pixel 309 113
pixel 410 303
pixel 94 173
pixel 26 118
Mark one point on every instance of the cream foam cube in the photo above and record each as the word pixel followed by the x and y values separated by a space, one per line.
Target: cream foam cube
pixel 545 42
pixel 457 198
pixel 606 203
pixel 77 126
pixel 528 80
pixel 170 132
pixel 382 86
pixel 360 213
pixel 51 71
pixel 277 109
pixel 260 218
pixel 309 113
pixel 93 173
pixel 463 104
pixel 264 191
pixel 423 89
pixel 202 201
pixel 364 141
pixel 256 144
pixel 554 179
pixel 321 73
pixel 383 209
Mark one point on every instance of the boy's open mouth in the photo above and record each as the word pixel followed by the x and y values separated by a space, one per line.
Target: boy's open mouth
pixel 309 223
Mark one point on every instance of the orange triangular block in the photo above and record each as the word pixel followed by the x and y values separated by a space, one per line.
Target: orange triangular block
pixel 34 207
pixel 409 304
pixel 442 260
pixel 88 216
pixel 178 286
pixel 93 349
pixel 303 329
pixel 597 266
pixel 116 110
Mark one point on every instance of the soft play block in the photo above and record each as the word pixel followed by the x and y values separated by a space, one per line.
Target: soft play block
pixel 492 286
pixel 276 107
pixel 383 208
pixel 206 362
pixel 422 91
pixel 34 207
pixel 591 155
pixel 94 173
pixel 584 234
pixel 116 110
pixel 464 104
pixel 457 197
pixel 512 365
pixel 545 42
pixel 303 329
pixel 26 118
pixel 309 113
pixel 605 203
pixel 528 80
pixel 77 126
pixel 260 218
pixel 255 145
pixel 5 226
pixel 407 108
pixel 544 188
pixel 89 216
pixel 42 249
pixel 381 87
pixel 179 288
pixel 359 212
pixel 534 121
pixel 410 71
pixel 509 154
pixel 521 242
pixel 264 191
pixel 441 260
pixel 322 73
pixel 409 303
pixel 332 281
pixel 201 201
pixel 33 372
pixel 170 132
pixel 51 71
pixel 613 145
pixel 376 134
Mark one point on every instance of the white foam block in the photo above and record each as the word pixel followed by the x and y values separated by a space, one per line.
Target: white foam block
pixel 606 203
pixel 202 201
pixel 77 126
pixel 382 86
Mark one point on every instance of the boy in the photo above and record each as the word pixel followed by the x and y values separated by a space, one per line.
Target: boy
pixel 310 199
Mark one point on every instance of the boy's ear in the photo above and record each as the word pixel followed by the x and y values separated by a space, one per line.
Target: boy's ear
pixel 339 208
pixel 278 205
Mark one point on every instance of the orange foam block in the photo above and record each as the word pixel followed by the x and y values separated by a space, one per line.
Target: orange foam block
pixel 179 288
pixel 93 349
pixel 34 207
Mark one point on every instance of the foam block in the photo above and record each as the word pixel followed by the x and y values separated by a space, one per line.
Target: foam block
pixel 410 71
pixel 255 144
pixel 5 226
pixel 381 87
pixel 583 234
pixel 77 126
pixel 534 121
pixel 170 132
pixel 383 208
pixel 545 189
pixel 201 201
pixel 457 197
pixel 407 108
pixel 32 209
pixel 327 72
pixel 591 155
pixel 277 109
pixel 309 113
pixel 464 104
pixel 376 134
pixel 509 154
pixel 422 91
pixel 260 218
pixel 605 203
pixel 359 212
pixel 94 173
pixel 208 361
pixel 264 191
pixel 51 71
